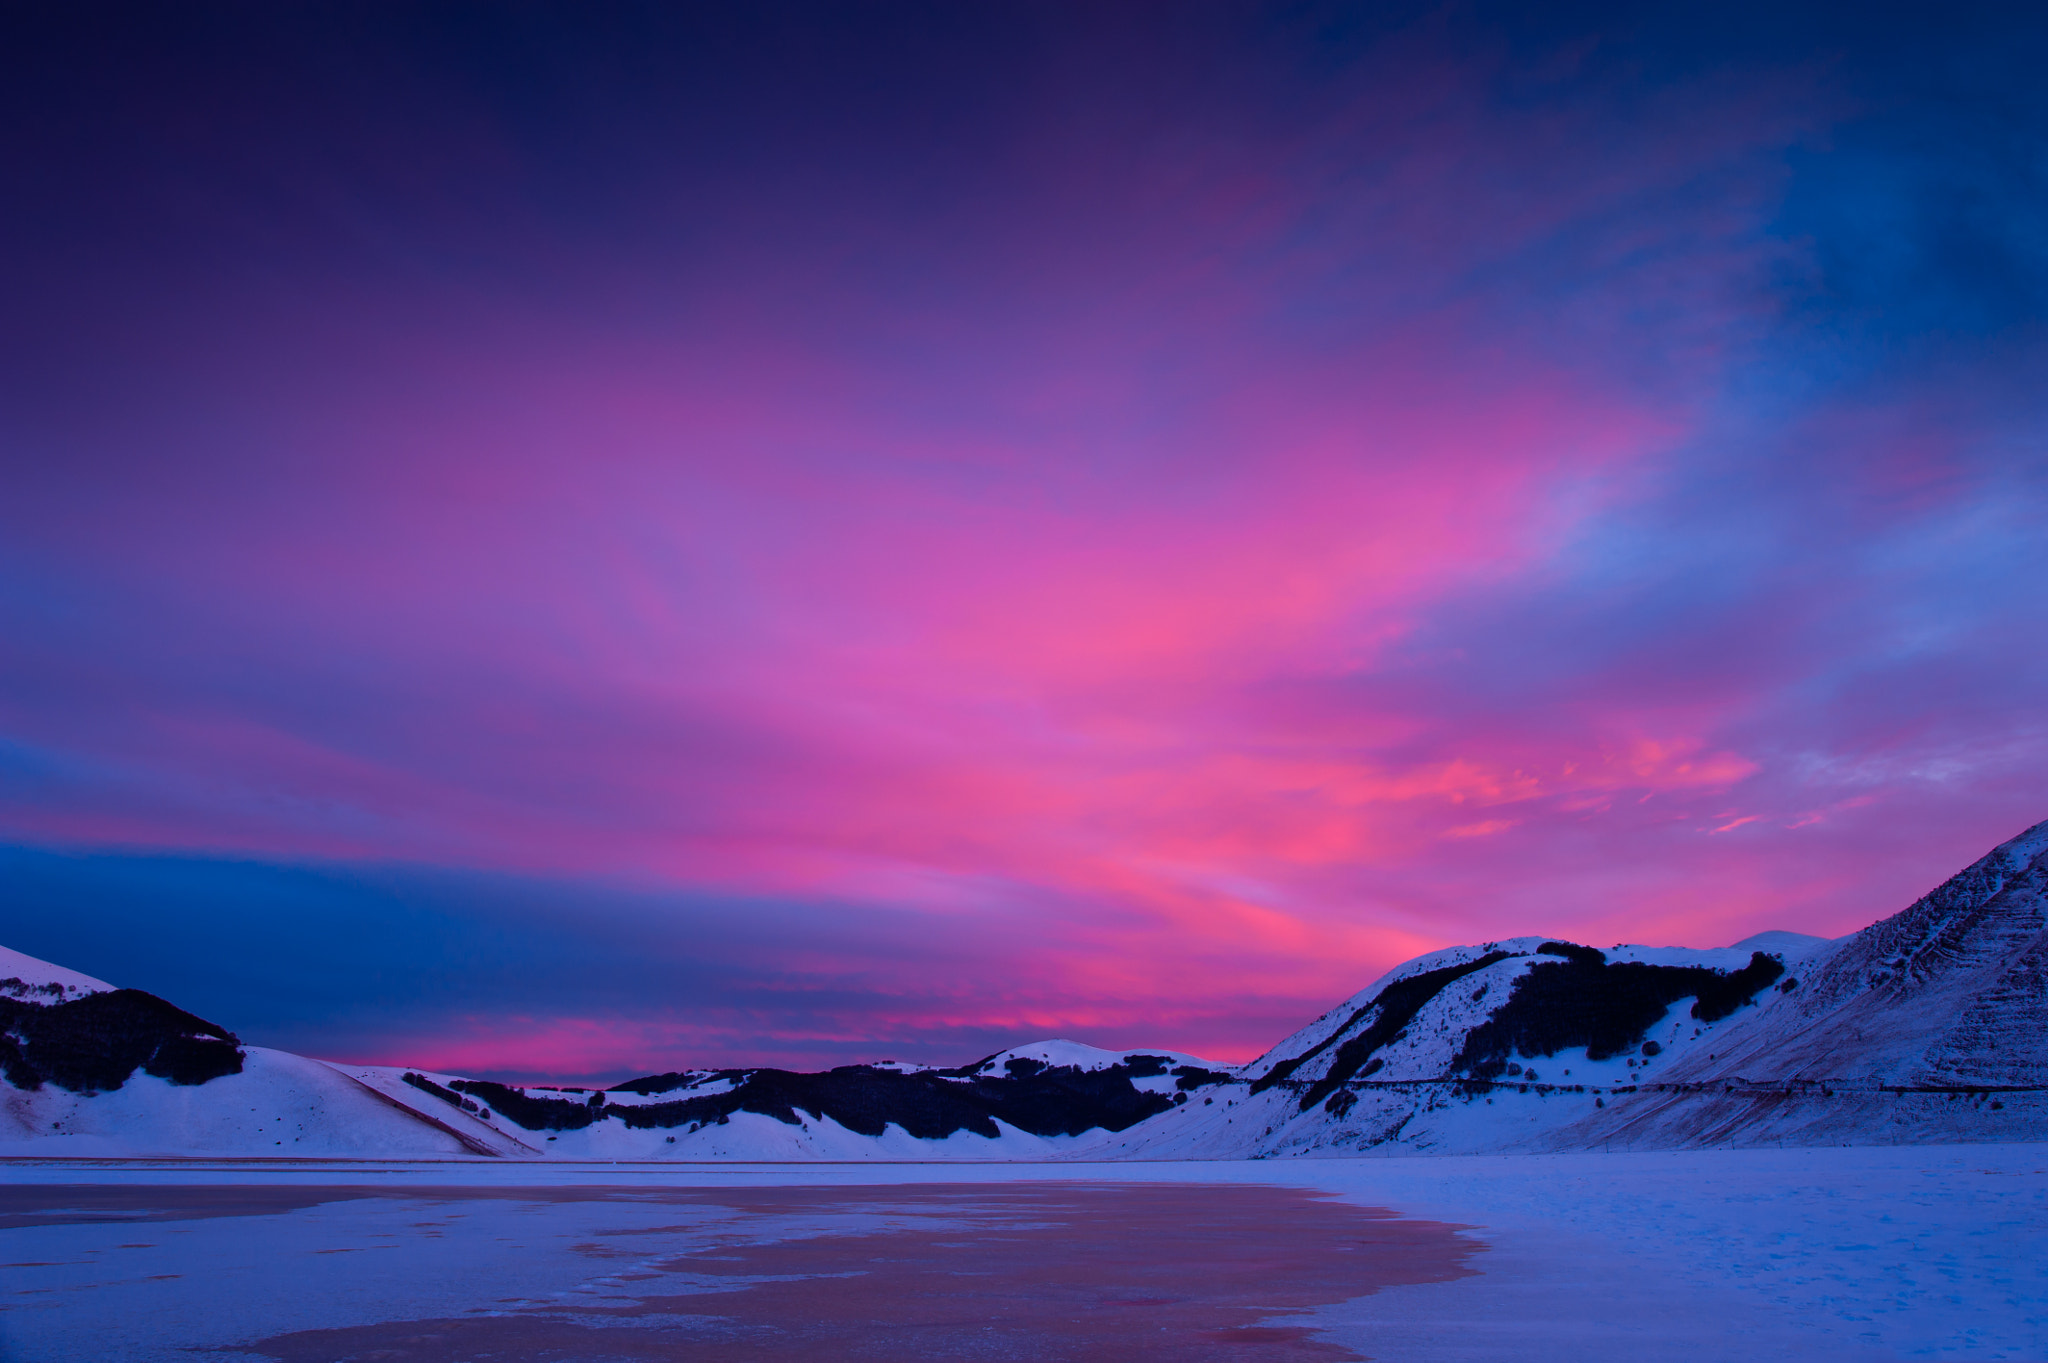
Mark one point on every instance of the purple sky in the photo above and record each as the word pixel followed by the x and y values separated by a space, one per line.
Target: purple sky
pixel 575 542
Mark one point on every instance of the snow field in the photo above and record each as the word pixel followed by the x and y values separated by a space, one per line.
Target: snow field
pixel 280 1105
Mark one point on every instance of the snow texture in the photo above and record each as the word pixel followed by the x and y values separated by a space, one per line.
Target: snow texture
pixel 25 977
pixel 280 1104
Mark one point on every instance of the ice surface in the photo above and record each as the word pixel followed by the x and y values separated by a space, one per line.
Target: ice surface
pixel 1701 1256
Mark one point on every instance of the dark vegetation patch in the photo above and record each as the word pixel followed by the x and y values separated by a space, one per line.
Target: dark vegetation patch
pixel 1571 951
pixel 1399 994
pixel 449 1096
pixel 1583 1000
pixel 21 988
pixel 1188 1078
pixel 656 1083
pixel 536 1114
pixel 1398 1004
pixel 95 1043
pixel 1045 1100
pixel 669 1083
pixel 426 1085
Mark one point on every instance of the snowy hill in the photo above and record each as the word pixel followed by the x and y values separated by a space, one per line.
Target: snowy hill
pixel 92 1070
pixel 1032 1102
pixel 1931 1025
pixel 25 977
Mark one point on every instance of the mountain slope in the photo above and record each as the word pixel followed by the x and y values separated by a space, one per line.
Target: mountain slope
pixel 1033 1102
pixel 25 977
pixel 1951 991
pixel 92 1070
pixel 1929 1025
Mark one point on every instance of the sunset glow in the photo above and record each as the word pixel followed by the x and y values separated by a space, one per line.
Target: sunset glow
pixel 891 533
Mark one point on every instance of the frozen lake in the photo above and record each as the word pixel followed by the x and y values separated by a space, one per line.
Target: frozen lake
pixel 1912 1252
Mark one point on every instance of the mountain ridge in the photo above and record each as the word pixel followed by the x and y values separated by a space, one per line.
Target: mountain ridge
pixel 1930 1024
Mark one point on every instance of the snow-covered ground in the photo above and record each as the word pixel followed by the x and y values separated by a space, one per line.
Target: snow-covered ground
pixel 280 1106
pixel 1699 1255
pixel 26 977
pixel 1081 1056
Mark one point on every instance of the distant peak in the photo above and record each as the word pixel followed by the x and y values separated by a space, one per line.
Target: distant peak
pixel 1781 943
pixel 1062 1053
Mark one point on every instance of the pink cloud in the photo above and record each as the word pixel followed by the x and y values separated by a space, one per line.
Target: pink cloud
pixel 1229 559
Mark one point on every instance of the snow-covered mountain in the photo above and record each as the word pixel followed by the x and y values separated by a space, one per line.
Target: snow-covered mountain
pixel 95 1071
pixel 25 977
pixel 1930 1025
pixel 92 1070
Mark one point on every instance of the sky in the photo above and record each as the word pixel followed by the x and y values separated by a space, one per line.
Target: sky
pixel 567 541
